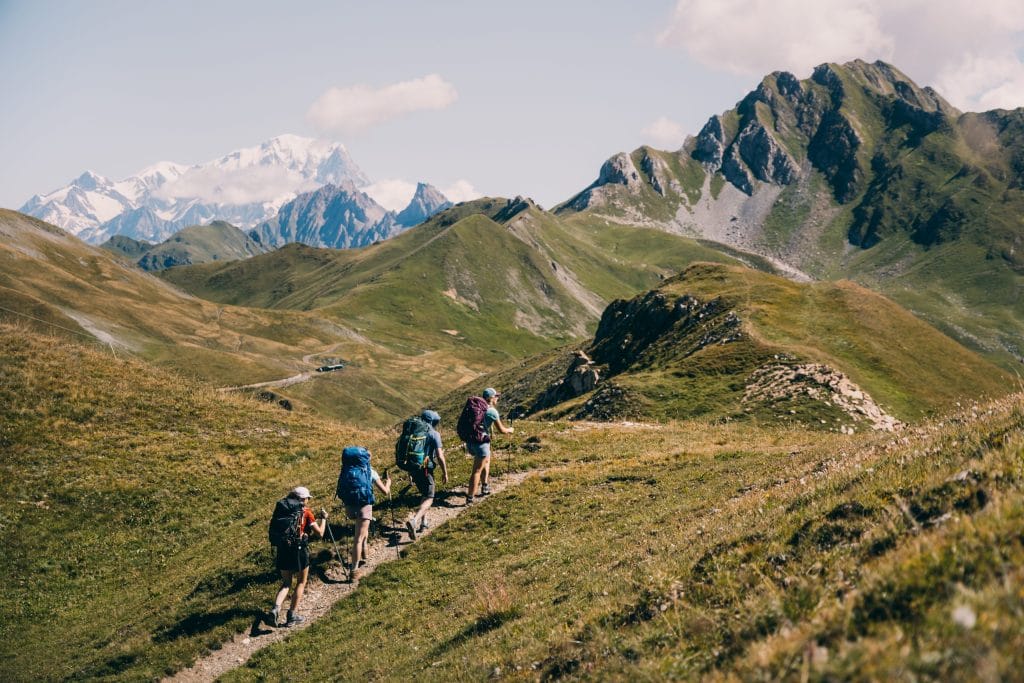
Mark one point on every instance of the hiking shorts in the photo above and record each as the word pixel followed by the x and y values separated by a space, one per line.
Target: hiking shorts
pixel 479 450
pixel 292 560
pixel 359 511
pixel 424 480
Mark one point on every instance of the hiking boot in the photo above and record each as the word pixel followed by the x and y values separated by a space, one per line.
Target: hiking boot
pixel 485 490
pixel 412 529
pixel 423 525
pixel 294 619
pixel 272 616
pixel 469 500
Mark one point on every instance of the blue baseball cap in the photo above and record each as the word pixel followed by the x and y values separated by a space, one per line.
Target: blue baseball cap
pixel 431 417
pixel 491 392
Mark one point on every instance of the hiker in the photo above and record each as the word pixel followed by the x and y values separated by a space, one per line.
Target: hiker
pixel 355 488
pixel 423 476
pixel 474 427
pixel 289 533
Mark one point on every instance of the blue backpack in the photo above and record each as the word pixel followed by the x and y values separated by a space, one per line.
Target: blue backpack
pixel 355 482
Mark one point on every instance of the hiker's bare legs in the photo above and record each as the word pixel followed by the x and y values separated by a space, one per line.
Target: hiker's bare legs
pixel 300 588
pixel 474 479
pixel 286 587
pixel 486 477
pixel 359 544
pixel 421 513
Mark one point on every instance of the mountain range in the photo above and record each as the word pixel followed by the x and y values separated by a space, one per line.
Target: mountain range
pixel 244 188
pixel 856 172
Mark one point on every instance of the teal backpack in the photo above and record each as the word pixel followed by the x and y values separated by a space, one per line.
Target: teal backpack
pixel 411 447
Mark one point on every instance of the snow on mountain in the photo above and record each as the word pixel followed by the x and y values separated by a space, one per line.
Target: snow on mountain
pixel 245 187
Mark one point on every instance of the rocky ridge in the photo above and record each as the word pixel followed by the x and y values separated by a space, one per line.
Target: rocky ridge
pixel 783 382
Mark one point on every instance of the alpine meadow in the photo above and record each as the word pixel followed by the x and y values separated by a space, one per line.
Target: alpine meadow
pixel 749 408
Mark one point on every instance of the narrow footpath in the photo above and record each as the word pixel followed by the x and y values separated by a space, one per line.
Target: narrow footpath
pixel 331 585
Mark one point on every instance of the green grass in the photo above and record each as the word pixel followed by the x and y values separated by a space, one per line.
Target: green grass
pixel 693 550
pixel 682 369
pixel 135 535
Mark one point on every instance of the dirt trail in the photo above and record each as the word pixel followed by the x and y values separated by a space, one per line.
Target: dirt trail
pixel 328 585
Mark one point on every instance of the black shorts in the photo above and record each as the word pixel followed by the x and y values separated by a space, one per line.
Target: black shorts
pixel 292 559
pixel 424 480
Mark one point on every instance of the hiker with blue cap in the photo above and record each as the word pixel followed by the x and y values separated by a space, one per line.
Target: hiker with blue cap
pixel 478 416
pixel 423 475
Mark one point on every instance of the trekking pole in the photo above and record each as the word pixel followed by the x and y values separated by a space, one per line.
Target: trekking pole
pixel 330 532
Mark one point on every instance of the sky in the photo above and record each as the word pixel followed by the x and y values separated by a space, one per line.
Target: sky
pixel 503 99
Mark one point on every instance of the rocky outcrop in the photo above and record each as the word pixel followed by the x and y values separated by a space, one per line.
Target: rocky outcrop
pixel 735 171
pixel 709 146
pixel 580 378
pixel 833 150
pixel 658 173
pixel 765 157
pixel 620 170
pixel 775 382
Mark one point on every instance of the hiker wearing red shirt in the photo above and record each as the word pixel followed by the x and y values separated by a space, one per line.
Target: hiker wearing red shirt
pixel 289 533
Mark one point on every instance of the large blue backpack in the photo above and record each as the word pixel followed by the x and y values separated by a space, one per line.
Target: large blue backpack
pixel 355 482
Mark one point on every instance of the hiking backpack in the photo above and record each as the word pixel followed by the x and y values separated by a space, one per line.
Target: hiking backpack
pixel 355 482
pixel 470 426
pixel 411 447
pixel 286 523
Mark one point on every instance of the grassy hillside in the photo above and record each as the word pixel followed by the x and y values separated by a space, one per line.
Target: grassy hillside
pixel 135 534
pixel 694 550
pixel 218 241
pixel 701 343
pixel 127 491
pixel 489 280
pixel 61 285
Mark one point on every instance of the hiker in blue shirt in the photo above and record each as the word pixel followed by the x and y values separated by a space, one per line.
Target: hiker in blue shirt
pixel 423 477
pixel 481 452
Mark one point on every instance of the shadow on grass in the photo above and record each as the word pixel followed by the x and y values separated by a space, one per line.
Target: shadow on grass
pixel 228 583
pixel 482 625
pixel 196 624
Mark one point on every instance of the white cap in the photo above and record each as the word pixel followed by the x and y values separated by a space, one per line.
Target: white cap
pixel 300 492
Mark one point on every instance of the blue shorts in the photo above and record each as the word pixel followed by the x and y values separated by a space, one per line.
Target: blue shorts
pixel 479 450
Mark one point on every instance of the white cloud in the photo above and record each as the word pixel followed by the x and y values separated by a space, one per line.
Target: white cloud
pixel 664 133
pixel 460 191
pixel 969 50
pixel 393 194
pixel 235 186
pixel 357 107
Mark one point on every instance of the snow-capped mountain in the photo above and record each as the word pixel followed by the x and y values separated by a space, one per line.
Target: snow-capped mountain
pixel 244 188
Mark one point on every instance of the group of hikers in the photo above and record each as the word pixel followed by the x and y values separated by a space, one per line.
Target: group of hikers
pixel 418 451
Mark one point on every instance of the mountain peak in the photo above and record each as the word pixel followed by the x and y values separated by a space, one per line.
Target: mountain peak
pixel 425 202
pixel 90 180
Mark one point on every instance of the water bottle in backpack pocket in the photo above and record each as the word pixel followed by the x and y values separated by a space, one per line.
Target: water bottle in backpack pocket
pixel 355 482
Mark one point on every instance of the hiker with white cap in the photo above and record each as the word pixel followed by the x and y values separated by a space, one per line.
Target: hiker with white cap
pixel 289 534
pixel 474 427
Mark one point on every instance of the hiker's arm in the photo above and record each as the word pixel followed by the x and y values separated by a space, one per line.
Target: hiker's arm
pixel 384 486
pixel 320 525
pixel 444 464
pixel 502 428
